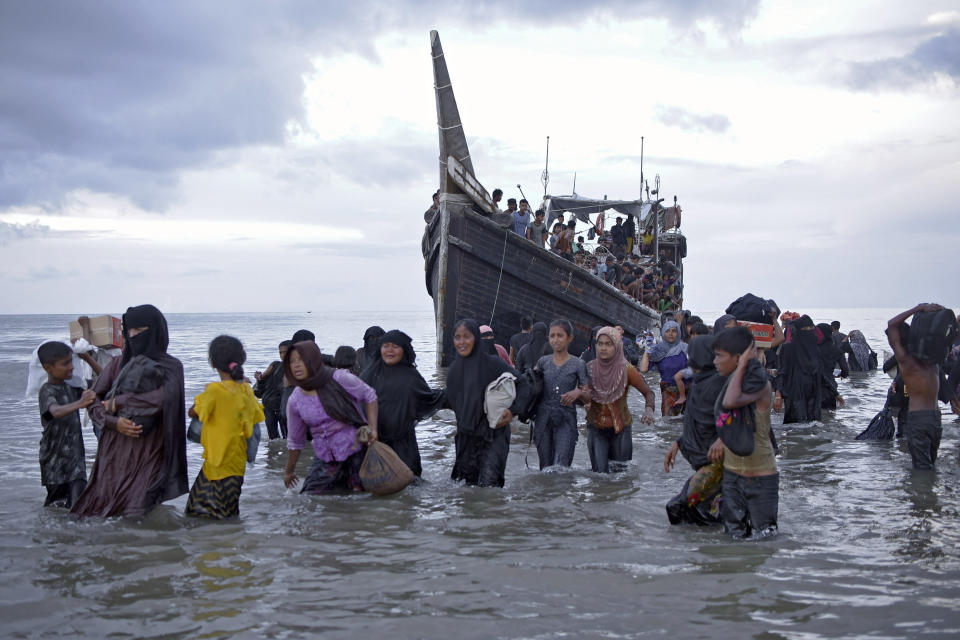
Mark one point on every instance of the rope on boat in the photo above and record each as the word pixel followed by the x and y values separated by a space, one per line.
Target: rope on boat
pixel 500 278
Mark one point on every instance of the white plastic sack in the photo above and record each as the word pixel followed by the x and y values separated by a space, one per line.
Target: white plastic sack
pixel 498 397
pixel 36 375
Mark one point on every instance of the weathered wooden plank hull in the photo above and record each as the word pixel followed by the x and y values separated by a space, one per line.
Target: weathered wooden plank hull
pixel 532 282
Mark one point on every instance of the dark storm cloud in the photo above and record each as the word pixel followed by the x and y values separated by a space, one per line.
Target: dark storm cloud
pixel 939 54
pixel 674 116
pixel 121 97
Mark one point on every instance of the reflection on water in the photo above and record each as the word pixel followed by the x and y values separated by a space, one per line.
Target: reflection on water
pixel 868 548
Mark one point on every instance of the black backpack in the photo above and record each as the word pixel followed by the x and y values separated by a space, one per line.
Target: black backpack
pixel 529 391
pixel 931 335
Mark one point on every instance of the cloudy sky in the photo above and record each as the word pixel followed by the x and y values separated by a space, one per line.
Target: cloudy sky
pixel 278 156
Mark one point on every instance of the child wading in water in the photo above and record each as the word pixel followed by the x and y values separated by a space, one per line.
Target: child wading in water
pixel 63 469
pixel 751 484
pixel 565 380
pixel 228 411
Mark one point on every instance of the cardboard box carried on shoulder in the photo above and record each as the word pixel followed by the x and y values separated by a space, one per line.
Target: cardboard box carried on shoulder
pixel 105 331
pixel 762 333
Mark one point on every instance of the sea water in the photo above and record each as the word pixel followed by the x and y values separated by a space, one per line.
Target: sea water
pixel 867 547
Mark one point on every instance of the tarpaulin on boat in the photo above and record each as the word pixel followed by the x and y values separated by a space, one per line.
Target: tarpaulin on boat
pixel 583 207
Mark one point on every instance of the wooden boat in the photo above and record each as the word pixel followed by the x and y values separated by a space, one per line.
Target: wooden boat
pixel 476 267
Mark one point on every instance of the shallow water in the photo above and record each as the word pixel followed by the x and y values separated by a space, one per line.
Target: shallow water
pixel 867 548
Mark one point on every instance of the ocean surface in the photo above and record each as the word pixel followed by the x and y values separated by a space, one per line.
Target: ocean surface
pixel 867 548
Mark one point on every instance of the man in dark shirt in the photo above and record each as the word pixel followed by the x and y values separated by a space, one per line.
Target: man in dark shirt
pixel 619 238
pixel 630 230
pixel 517 340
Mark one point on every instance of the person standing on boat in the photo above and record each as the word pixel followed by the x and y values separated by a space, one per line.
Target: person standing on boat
pixel 630 229
pixel 537 230
pixel 496 196
pixel 434 209
pixel 521 218
pixel 618 236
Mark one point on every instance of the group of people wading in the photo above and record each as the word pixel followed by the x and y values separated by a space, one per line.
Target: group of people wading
pixel 707 375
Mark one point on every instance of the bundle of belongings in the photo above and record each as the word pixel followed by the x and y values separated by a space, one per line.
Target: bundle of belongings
pixel 141 375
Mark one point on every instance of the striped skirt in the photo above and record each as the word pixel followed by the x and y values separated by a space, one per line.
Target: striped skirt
pixel 214 498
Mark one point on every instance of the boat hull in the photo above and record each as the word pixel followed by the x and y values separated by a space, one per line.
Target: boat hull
pixel 477 269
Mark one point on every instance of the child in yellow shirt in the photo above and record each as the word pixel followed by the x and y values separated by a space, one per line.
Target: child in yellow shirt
pixel 228 411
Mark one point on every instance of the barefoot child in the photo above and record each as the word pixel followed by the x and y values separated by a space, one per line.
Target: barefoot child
pixel 63 469
pixel 228 411
pixel 751 484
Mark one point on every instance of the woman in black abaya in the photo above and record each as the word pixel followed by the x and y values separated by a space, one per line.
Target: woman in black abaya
pixel 831 358
pixel 137 468
pixel 536 348
pixel 370 350
pixel 801 371
pixel 403 395
pixel 481 452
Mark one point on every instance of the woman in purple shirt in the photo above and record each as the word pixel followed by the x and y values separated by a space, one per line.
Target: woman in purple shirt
pixel 332 403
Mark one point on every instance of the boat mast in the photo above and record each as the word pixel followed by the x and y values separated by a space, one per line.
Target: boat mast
pixel 641 167
pixel 545 177
pixel 655 210
pixel 453 141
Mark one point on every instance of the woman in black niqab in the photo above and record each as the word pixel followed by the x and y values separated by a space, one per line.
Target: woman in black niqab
pixel 538 347
pixel 801 370
pixel 133 473
pixel 481 452
pixel 404 399
pixel 370 349
pixel 831 357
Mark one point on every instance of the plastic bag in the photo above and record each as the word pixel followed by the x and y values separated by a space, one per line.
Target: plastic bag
pixel 37 376
pixel 194 430
pixel 498 397
pixel 253 443
pixel 383 472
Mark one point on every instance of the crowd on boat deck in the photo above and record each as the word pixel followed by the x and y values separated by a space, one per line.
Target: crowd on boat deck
pixel 713 375
pixel 621 257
